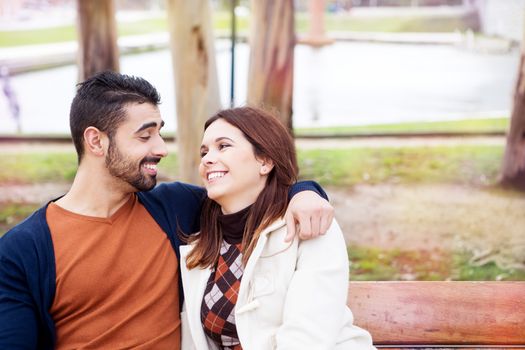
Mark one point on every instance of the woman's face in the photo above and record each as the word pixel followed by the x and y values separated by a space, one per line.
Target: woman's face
pixel 231 173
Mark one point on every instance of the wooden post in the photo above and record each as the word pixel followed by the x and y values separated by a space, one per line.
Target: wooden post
pixel 270 72
pixel 513 172
pixel 97 49
pixel 196 80
pixel 316 35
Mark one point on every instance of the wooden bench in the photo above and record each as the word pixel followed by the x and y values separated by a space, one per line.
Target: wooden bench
pixel 473 315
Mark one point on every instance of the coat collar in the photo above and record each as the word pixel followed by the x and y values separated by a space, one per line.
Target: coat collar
pixel 274 226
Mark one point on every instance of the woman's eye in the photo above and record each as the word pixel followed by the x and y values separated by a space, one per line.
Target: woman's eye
pixel 144 138
pixel 223 145
pixel 203 154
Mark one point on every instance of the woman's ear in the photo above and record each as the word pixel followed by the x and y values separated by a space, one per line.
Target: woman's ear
pixel 95 141
pixel 266 166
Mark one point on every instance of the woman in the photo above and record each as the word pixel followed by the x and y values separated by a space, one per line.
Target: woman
pixel 245 288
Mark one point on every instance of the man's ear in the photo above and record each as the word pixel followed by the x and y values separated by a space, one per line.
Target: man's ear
pixel 266 166
pixel 95 141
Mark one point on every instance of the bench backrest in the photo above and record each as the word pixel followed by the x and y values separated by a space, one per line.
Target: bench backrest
pixel 433 314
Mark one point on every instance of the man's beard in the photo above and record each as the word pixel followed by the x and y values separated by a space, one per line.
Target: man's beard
pixel 128 170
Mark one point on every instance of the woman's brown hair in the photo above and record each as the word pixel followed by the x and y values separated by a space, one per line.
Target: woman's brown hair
pixel 271 141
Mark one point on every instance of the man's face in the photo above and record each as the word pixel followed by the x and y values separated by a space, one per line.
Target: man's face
pixel 137 147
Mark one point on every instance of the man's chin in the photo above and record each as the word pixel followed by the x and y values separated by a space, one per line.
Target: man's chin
pixel 144 187
pixel 149 188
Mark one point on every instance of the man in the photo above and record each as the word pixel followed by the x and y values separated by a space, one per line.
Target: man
pixel 10 95
pixel 98 268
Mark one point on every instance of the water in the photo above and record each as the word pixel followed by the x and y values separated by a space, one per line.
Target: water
pixel 347 83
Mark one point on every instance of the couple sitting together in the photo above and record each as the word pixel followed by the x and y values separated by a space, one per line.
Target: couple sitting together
pixel 119 263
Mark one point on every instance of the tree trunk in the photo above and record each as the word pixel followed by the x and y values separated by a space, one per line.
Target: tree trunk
pixel 97 49
pixel 270 72
pixel 196 80
pixel 316 36
pixel 513 173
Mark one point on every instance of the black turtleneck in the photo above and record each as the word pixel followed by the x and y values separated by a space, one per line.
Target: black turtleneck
pixel 232 225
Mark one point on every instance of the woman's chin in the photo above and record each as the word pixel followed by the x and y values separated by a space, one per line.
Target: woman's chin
pixel 214 195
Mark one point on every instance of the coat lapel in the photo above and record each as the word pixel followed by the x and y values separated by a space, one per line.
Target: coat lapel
pixel 194 284
pixel 252 261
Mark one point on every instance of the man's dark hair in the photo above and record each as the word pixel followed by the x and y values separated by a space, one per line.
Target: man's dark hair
pixel 100 102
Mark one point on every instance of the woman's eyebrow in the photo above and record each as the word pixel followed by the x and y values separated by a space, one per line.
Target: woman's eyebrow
pixel 223 138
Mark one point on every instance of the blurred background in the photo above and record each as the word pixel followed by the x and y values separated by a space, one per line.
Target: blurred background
pixel 410 112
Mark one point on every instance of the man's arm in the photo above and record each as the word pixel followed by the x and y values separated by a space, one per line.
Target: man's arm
pixel 309 214
pixel 18 320
pixel 181 204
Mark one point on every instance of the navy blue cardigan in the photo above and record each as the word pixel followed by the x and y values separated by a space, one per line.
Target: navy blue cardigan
pixel 27 261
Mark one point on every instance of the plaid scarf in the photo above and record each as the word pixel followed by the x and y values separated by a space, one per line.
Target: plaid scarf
pixel 220 297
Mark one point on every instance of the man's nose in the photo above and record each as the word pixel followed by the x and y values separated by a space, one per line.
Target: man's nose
pixel 161 149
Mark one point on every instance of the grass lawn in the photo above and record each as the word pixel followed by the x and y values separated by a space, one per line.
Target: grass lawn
pixel 375 264
pixel 477 165
pixel 221 23
pixel 13 213
pixel 337 167
pixel 29 168
pixel 480 125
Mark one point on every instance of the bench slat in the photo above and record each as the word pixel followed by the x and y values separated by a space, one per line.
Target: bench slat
pixel 440 313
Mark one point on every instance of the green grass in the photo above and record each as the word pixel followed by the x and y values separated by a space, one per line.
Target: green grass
pixel 221 23
pixel 479 125
pixel 37 167
pixel 336 167
pixel 376 264
pixel 11 214
pixel 27 168
pixel 341 167
pixel 449 164
pixel 69 32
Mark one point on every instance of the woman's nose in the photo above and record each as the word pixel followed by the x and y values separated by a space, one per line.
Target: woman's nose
pixel 208 158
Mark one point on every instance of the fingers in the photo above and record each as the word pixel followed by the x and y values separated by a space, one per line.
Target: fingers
pixel 326 221
pixel 310 226
pixel 316 223
pixel 290 227
pixel 305 227
pixel 308 216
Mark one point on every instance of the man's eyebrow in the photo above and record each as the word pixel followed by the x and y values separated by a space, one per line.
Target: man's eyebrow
pixel 149 125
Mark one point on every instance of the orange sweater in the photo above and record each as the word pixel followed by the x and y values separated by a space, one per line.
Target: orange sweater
pixel 116 281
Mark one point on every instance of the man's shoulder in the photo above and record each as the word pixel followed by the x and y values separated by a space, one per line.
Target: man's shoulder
pixel 174 191
pixel 177 186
